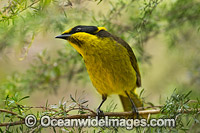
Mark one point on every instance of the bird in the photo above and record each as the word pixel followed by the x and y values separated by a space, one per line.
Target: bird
pixel 110 62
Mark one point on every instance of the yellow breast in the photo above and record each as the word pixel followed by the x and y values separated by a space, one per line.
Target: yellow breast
pixel 108 65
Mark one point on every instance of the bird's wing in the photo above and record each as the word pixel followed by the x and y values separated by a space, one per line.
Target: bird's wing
pixel 133 59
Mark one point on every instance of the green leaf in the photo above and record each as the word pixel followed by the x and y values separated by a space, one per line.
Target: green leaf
pixel 187 94
pixel 72 98
pixel 24 98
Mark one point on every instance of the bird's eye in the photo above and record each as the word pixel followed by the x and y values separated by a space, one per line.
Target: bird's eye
pixel 78 29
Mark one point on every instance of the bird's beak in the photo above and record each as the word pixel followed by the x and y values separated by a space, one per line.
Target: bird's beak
pixel 64 36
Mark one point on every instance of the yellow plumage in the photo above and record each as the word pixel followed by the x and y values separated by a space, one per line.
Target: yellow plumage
pixel 107 63
pixel 110 62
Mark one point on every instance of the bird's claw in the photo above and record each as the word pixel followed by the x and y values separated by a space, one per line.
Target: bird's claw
pixel 135 111
pixel 99 113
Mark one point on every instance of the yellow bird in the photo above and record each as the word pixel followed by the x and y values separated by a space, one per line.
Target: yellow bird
pixel 110 62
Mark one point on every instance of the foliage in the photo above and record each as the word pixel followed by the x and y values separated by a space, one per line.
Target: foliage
pixel 178 106
pixel 175 107
pixel 50 71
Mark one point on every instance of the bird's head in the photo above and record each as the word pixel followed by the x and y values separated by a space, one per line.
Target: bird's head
pixel 80 36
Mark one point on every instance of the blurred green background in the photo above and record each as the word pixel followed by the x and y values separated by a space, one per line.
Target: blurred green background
pixel 163 34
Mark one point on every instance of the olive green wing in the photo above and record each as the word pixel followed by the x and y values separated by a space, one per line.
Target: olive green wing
pixel 133 59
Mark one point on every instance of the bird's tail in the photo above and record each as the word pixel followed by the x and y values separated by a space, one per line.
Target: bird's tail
pixel 127 104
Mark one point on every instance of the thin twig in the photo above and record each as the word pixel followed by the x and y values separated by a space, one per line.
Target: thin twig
pixel 79 109
pixel 11 123
pixel 150 107
pixel 41 107
pixel 10 112
pixel 9 17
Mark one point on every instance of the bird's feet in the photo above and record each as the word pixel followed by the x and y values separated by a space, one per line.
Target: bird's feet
pixel 135 111
pixel 99 113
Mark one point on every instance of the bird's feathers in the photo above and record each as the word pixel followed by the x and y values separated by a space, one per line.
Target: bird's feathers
pixel 133 60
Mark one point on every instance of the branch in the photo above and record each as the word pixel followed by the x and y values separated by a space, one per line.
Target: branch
pixel 113 114
pixel 25 8
pixel 10 112
pixel 81 108
pixel 40 107
pixel 109 114
pixel 11 123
